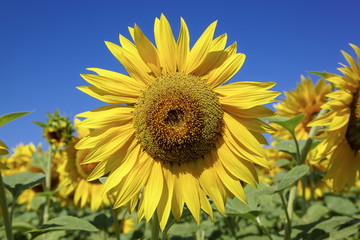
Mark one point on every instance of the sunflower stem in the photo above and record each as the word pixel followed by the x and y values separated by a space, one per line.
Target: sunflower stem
pixel 290 210
pixel 155 227
pixel 263 229
pixel 5 212
pixel 53 150
pixel 115 214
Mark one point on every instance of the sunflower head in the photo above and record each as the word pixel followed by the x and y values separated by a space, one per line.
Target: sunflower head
pixel 57 130
pixel 306 98
pixel 73 175
pixel 341 140
pixel 173 134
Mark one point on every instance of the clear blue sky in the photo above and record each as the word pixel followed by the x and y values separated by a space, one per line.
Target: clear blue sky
pixel 46 45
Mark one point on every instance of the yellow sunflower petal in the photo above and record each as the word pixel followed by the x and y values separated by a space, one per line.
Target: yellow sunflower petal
pixel 164 206
pixel 132 183
pixel 219 43
pixel 132 62
pixel 106 96
pixel 190 190
pixel 147 51
pixel 200 48
pixel 228 69
pixel 114 142
pixel 165 43
pixel 153 189
pixel 103 117
pixel 183 46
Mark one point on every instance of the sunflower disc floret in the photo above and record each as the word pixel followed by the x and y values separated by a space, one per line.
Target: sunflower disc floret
pixel 178 118
pixel 353 130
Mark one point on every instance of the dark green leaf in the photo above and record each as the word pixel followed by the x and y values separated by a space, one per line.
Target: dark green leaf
pixel 292 176
pixel 64 223
pixel 340 205
pixel 19 182
pixel 10 117
pixel 39 160
pixel 333 228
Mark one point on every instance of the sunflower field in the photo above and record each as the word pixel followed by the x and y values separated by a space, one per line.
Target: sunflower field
pixel 177 152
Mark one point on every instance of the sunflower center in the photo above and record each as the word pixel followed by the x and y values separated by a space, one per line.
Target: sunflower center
pixel 353 130
pixel 84 169
pixel 178 118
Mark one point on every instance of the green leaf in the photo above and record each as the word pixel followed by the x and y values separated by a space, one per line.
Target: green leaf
pixel 283 162
pixel 64 223
pixel 292 176
pixel 101 221
pixel 23 226
pixel 102 179
pixel 340 205
pixel 258 199
pixel 334 228
pixel 4 119
pixel 315 212
pixel 39 160
pixel 288 124
pixel 321 74
pixel 19 182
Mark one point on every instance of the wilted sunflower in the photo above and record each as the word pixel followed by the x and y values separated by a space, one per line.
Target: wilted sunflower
pixel 306 98
pixel 342 138
pixel 74 186
pixel 172 132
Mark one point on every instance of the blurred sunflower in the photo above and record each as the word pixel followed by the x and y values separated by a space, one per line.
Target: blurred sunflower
pixel 3 151
pixel 306 98
pixel 341 143
pixel 74 186
pixel 20 161
pixel 172 132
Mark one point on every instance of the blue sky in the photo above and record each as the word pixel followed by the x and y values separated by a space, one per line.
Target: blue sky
pixel 46 45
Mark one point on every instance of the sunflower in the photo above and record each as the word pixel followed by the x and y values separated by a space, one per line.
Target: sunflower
pixel 306 98
pixel 74 186
pixel 341 144
pixel 172 131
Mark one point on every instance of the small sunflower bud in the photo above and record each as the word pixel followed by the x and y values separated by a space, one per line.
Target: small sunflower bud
pixel 57 130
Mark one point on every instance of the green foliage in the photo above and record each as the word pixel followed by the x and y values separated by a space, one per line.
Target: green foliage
pixel 63 223
pixel 6 118
pixel 39 160
pixel 19 182
pixel 287 123
pixel 340 205
pixel 291 177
